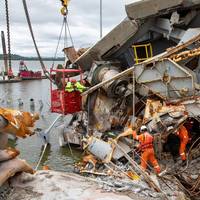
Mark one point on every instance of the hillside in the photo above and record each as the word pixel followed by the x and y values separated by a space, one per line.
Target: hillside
pixel 18 57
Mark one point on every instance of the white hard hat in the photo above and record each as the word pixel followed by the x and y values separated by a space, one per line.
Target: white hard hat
pixel 170 128
pixel 143 128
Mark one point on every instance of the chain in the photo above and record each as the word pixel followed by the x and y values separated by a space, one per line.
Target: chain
pixel 8 32
pixel 185 55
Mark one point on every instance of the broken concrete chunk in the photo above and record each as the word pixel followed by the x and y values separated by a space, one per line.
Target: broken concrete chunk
pixel 102 150
pixel 63 186
pixel 11 167
pixel 8 154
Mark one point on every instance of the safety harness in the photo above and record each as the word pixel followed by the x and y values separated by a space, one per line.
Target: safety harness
pixel 147 142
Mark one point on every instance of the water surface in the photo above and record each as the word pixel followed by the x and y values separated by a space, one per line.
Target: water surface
pixel 30 148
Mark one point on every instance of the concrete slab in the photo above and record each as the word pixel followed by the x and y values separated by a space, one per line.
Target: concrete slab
pixel 53 185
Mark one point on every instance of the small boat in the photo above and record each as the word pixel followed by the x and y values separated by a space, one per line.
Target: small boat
pixel 26 74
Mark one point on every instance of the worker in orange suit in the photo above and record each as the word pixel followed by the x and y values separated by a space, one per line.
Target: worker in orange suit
pixel 146 147
pixel 182 133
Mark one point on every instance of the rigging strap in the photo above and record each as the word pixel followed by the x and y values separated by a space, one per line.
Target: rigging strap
pixel 65 35
pixel 46 73
pixel 67 32
pixel 59 38
pixel 70 36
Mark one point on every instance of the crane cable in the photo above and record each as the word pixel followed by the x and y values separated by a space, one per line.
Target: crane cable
pixel 8 33
pixel 59 38
pixel 46 73
pixel 70 36
pixel 65 26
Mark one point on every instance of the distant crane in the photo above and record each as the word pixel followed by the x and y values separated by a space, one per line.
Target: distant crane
pixel 10 73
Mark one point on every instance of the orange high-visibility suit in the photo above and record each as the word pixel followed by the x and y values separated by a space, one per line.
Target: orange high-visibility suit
pixel 146 146
pixel 184 138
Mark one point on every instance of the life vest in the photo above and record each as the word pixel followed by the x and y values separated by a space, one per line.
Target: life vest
pixel 147 141
pixel 81 88
pixel 69 87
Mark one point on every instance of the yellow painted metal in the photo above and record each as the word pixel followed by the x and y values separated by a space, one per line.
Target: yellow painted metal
pixel 64 9
pixel 133 175
pixel 148 51
pixel 65 3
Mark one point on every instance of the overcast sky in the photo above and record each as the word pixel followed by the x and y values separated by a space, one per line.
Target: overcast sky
pixel 46 21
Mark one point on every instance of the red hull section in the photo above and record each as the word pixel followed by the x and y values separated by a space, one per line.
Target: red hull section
pixel 30 75
pixel 65 102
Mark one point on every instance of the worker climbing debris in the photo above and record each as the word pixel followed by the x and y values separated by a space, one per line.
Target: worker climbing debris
pixel 146 147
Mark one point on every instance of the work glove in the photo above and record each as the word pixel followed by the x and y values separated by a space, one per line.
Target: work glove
pixel 117 138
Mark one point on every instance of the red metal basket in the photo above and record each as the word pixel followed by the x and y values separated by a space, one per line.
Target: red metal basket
pixel 62 101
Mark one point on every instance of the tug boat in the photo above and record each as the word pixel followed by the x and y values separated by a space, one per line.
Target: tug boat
pixel 26 74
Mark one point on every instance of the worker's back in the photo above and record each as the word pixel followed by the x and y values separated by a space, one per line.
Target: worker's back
pixel 146 140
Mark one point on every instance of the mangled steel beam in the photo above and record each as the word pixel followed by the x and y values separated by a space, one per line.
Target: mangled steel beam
pixel 171 114
pixel 155 109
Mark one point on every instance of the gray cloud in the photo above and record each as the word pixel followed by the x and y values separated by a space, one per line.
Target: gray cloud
pixel 46 21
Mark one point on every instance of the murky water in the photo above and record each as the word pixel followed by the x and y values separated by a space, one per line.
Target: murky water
pixel 56 158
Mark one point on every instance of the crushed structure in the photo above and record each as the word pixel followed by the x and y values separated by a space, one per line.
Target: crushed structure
pixel 146 70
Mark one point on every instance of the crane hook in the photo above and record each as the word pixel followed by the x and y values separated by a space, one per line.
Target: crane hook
pixel 64 11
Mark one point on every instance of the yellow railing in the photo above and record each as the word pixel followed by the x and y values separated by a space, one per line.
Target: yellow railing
pixel 148 52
